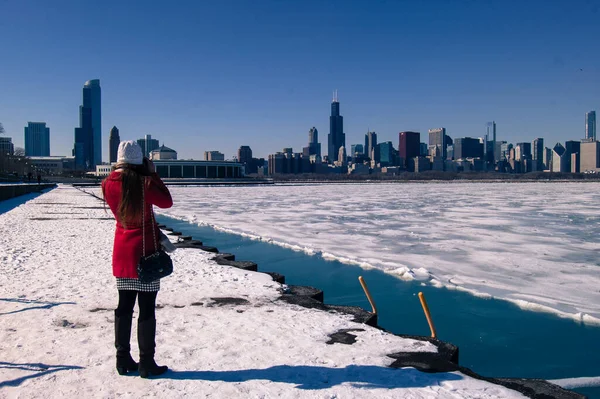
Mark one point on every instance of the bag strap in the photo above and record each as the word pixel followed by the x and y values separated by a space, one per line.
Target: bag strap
pixel 144 221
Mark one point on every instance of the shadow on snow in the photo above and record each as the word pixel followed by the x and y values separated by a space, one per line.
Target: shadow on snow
pixel 315 377
pixel 42 304
pixel 40 369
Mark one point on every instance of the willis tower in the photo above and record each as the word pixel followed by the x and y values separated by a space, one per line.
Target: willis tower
pixel 336 138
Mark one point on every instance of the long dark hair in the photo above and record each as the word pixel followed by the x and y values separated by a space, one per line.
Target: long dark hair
pixel 133 179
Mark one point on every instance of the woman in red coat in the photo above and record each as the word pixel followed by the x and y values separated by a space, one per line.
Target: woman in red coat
pixel 122 191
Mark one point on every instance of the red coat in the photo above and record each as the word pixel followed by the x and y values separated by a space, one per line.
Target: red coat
pixel 127 248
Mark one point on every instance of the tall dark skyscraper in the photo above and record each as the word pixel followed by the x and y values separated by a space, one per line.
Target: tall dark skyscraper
pixel 537 147
pixel 409 147
pixel 244 155
pixel 490 144
pixel 37 139
pixel 590 125
pixel 336 138
pixel 88 136
pixel 113 144
pixel 314 147
pixel 370 144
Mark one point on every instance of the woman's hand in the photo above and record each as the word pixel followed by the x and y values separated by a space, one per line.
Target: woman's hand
pixel 150 168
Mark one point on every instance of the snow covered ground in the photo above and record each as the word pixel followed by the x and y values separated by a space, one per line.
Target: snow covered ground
pixel 56 333
pixel 535 244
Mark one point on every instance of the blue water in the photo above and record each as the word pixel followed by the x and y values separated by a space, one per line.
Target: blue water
pixel 496 338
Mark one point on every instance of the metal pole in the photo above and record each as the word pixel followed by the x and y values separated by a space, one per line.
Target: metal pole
pixel 368 294
pixel 427 314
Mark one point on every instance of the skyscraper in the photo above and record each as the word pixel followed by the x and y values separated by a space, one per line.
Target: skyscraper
pixel 148 144
pixel 356 148
pixel 409 147
pixel 490 144
pixel 314 147
pixel 336 138
pixel 244 155
pixel 37 139
pixel 88 136
pixel 370 143
pixel 437 142
pixel 590 125
pixel 113 144
pixel 537 146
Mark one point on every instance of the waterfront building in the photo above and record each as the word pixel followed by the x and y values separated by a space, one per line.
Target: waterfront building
pixel 336 138
pixel 342 159
pixel 37 139
pixel 163 153
pixel 421 164
pixel 113 144
pixel 590 125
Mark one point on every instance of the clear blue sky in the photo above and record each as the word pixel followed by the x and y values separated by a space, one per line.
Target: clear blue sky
pixel 214 75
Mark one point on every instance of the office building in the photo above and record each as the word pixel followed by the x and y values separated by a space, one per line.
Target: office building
pixel 314 147
pixel 548 153
pixel 537 146
pixel 490 144
pixel 438 142
pixel 409 147
pixel 37 139
pixel 590 125
pixel 370 143
pixel 559 160
pixel 88 136
pixel 6 146
pixel 113 144
pixel 423 149
pixel 336 138
pixel 571 147
pixel 589 159
pixel 522 151
pixel 213 156
pixel 356 149
pixel 342 158
pixel 467 147
pixel 148 144
pixel 387 154
pixel 244 155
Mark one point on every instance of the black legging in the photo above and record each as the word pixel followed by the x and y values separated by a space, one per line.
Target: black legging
pixel 146 303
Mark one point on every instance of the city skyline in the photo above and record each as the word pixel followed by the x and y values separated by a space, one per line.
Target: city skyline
pixel 264 82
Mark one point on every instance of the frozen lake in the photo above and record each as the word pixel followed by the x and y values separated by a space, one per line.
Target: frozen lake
pixel 534 244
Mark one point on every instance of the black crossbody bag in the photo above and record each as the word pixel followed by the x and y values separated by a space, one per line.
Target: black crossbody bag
pixel 157 265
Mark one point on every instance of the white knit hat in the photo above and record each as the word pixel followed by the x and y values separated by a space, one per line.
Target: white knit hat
pixel 130 152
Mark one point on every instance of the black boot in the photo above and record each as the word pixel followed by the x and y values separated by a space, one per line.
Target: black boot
pixel 146 334
pixel 125 362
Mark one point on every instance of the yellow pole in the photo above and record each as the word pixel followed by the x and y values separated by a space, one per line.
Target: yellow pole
pixel 367 293
pixel 427 314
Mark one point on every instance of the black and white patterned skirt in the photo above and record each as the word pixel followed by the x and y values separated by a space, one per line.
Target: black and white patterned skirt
pixel 133 284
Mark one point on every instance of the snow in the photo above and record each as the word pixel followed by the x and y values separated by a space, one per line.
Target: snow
pixel 56 337
pixel 534 244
